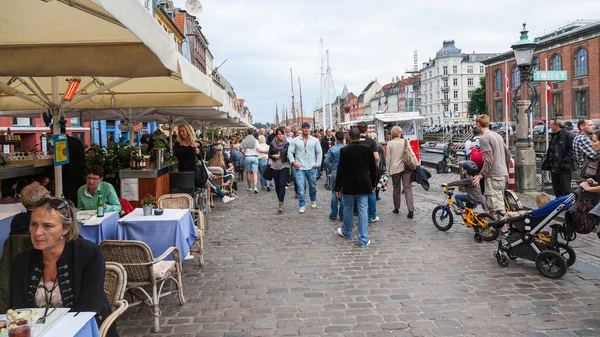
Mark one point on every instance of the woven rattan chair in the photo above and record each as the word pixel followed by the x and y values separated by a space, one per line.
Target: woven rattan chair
pixel 146 275
pixel 184 201
pixel 220 175
pixel 115 280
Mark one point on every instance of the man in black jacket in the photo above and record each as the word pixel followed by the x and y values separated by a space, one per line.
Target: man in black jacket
pixel 559 158
pixel 355 180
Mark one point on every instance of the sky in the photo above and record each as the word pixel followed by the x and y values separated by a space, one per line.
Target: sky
pixel 262 39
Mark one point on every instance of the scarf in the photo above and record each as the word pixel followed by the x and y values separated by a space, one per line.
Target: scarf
pixel 277 145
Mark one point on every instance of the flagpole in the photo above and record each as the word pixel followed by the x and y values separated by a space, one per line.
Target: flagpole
pixel 546 121
pixel 507 97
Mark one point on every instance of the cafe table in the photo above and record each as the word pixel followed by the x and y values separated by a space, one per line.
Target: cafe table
pixel 7 213
pixel 97 229
pixel 175 227
pixel 74 324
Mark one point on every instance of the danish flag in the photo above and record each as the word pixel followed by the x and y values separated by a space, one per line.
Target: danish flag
pixel 548 93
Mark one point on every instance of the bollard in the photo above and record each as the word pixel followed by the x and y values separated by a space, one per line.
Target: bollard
pixel 511 175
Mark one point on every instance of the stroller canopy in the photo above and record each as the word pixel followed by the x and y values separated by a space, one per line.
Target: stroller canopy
pixel 551 206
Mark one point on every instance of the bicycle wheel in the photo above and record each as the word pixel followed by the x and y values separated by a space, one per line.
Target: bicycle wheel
pixel 511 202
pixel 488 233
pixel 442 217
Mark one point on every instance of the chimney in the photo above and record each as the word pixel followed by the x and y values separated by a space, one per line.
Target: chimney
pixel 392 79
pixel 397 79
pixel 402 77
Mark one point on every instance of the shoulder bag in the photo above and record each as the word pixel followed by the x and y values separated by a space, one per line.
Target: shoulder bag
pixel 409 159
pixel 588 169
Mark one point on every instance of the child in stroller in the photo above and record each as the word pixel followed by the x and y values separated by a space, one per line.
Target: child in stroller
pixel 527 241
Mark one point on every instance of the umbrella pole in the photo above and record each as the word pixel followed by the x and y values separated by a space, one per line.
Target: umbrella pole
pixel 56 110
pixel 171 137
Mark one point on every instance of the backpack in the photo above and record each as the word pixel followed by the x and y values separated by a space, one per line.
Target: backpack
pixel 578 218
pixel 442 166
pixel 476 155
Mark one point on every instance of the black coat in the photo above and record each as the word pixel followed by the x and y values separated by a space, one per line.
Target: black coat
pixel 20 223
pixel 357 172
pixel 81 269
pixel 560 153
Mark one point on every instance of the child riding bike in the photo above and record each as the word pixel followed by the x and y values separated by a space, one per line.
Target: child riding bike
pixel 474 196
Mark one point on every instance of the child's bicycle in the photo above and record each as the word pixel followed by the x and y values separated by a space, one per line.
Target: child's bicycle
pixel 443 218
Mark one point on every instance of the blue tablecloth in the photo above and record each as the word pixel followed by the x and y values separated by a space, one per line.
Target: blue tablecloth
pixel 175 227
pixel 82 325
pixel 106 230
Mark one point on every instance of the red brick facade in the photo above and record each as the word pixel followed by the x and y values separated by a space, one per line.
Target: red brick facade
pixel 30 135
pixel 573 99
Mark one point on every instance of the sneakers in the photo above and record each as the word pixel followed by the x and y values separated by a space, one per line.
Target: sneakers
pixel 396 211
pixel 460 212
pixel 332 218
pixel 313 204
pixel 339 232
pixel 249 189
pixel 410 214
pixel 227 199
pixel 368 243
pixel 255 190
pixel 374 220
pixel 302 210
pixel 280 209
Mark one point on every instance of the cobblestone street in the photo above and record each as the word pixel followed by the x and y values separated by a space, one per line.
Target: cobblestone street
pixel 290 275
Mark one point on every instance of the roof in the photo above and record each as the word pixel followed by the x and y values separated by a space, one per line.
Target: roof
pixel 448 49
pixel 569 32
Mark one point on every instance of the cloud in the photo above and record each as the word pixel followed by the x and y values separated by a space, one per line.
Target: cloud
pixel 366 39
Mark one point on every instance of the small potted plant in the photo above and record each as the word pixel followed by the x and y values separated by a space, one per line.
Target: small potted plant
pixel 148 204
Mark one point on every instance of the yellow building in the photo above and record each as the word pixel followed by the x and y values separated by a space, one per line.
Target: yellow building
pixel 164 13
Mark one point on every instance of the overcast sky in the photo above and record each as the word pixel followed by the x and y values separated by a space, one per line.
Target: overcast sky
pixel 372 39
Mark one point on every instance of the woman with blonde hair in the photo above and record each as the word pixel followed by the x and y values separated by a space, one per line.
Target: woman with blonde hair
pixel 263 159
pixel 30 196
pixel 401 177
pixel 186 149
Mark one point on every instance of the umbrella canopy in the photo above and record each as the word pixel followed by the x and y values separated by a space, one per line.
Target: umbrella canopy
pixel 115 47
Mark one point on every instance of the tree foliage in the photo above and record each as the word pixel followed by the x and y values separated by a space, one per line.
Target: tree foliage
pixel 477 105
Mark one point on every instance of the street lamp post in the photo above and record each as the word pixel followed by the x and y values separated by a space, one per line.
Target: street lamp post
pixel 525 166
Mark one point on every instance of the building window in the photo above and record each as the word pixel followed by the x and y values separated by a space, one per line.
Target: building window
pixel 455 82
pixel 469 69
pixel 430 74
pixel 470 81
pixel 455 94
pixel 424 75
pixel 556 62
pixel 455 108
pixel 516 77
pixel 556 106
pixel 536 63
pixel 80 136
pixel 481 69
pixel 18 121
pixel 445 82
pixel 498 111
pixel 445 107
pixel 445 95
pixel 498 79
pixel 76 121
pixel 581 103
pixel 445 69
pixel 469 94
pixel 581 67
pixel 455 69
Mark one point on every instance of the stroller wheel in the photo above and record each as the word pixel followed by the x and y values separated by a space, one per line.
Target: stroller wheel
pixel 442 217
pixel 551 264
pixel 478 237
pixel 501 258
pixel 488 233
pixel 567 252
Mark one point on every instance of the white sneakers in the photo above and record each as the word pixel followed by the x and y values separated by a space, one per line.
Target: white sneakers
pixel 302 210
pixel 374 220
pixel 227 199
pixel 313 204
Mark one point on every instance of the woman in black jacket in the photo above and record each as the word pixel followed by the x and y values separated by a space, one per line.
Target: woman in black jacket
pixel 61 270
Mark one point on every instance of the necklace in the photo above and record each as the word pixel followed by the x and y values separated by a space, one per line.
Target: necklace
pixel 48 292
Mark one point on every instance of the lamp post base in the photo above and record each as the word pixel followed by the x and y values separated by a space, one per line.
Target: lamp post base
pixel 525 170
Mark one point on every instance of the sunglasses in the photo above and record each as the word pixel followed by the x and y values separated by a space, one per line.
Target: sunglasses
pixel 55 203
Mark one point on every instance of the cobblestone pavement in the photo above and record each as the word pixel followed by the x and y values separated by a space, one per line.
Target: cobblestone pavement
pixel 290 275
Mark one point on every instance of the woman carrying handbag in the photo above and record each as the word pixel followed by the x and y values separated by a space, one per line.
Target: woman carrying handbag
pixel 400 162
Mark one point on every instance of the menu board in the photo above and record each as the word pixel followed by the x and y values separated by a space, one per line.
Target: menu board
pixel 130 189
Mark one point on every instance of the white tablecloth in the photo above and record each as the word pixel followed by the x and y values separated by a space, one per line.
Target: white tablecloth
pixel 84 325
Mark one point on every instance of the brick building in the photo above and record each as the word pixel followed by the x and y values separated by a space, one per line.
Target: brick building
pixel 31 129
pixel 575 48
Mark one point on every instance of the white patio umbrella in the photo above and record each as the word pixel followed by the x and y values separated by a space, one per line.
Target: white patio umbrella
pixel 115 48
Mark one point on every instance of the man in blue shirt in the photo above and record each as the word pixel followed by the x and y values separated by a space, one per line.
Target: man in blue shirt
pixel 304 153
pixel 332 160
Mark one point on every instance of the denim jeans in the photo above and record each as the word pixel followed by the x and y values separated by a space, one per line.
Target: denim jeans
pixel 261 170
pixel 363 221
pixel 281 178
pixel 302 176
pixel 251 164
pixel 461 199
pixel 372 205
pixel 335 203
pixel 217 190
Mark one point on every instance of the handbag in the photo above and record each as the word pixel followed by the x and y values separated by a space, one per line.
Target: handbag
pixel 268 172
pixel 588 169
pixel 409 159
pixel 200 175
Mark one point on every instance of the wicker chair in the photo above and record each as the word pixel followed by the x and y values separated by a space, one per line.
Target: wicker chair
pixel 184 201
pixel 146 272
pixel 220 175
pixel 115 280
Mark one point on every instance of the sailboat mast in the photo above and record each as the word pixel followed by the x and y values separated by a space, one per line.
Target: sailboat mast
pixel 327 81
pixel 293 98
pixel 276 115
pixel 301 110
pixel 323 88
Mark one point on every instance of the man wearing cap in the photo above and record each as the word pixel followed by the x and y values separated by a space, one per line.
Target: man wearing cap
pixel 305 154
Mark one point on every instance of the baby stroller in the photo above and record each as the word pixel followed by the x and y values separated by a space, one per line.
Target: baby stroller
pixel 526 239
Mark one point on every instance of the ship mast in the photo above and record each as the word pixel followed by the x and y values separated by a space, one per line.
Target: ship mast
pixel 293 106
pixel 323 88
pixel 301 110
pixel 276 115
